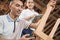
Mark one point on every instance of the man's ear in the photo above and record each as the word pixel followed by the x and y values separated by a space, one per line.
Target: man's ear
pixel 10 6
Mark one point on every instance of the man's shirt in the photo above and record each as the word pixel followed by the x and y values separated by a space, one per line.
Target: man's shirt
pixel 7 25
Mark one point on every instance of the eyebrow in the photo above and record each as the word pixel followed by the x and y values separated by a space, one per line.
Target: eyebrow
pixel 18 4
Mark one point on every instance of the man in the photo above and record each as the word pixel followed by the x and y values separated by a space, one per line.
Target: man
pixel 11 27
pixel 8 22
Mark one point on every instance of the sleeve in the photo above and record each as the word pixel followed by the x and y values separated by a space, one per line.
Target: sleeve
pixel 23 14
pixel 37 18
pixel 36 13
pixel 1 27
pixel 26 23
pixel 40 15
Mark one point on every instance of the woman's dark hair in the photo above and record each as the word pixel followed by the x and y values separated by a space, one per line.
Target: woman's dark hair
pixel 23 1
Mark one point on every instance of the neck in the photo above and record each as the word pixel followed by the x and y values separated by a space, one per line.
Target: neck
pixel 12 16
pixel 31 9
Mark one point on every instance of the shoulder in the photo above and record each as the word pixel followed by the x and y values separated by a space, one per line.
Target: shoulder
pixel 36 13
pixel 2 17
pixel 25 10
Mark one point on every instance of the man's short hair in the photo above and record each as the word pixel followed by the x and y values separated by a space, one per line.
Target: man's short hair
pixel 11 2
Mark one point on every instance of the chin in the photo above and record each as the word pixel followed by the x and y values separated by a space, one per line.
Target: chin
pixel 17 14
pixel 30 7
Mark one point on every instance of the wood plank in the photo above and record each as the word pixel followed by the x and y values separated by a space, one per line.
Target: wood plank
pixel 43 35
pixel 54 28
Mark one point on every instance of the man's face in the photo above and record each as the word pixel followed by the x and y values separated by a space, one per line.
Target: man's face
pixel 30 3
pixel 16 8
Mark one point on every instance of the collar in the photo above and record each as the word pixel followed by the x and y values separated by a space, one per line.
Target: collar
pixel 10 19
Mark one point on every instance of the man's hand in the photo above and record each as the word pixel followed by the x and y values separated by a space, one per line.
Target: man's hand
pixel 51 4
pixel 24 37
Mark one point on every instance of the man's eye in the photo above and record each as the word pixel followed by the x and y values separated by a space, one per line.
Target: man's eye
pixel 32 2
pixel 17 5
pixel 28 2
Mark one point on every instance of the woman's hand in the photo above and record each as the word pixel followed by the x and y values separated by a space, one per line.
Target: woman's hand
pixel 51 4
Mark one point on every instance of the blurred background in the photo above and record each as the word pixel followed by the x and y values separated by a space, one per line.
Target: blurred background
pixel 40 7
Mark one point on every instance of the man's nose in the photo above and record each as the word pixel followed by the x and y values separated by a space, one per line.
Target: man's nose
pixel 20 9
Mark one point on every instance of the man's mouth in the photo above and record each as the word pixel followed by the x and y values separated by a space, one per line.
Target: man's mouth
pixel 30 6
pixel 18 12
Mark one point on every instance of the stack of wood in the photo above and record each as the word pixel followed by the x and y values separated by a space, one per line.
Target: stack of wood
pixel 51 20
